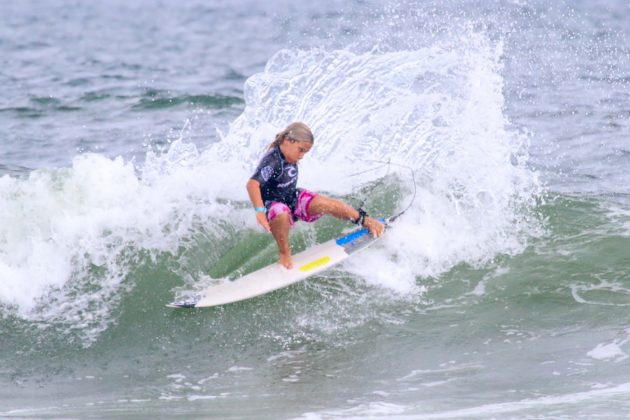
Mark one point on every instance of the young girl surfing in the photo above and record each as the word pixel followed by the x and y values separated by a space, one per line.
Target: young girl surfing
pixel 279 203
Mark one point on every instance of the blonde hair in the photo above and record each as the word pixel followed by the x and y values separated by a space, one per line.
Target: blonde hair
pixel 297 131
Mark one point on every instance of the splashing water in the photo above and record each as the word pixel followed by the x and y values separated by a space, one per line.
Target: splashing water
pixel 436 109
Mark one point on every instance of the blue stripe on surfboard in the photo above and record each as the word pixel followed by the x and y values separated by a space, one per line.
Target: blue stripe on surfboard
pixel 351 237
pixel 354 235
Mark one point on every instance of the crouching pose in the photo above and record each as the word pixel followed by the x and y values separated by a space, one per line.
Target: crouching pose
pixel 279 203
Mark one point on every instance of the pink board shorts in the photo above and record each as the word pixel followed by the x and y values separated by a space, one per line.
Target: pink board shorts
pixel 301 208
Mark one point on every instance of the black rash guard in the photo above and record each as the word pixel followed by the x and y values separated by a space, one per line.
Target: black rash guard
pixel 277 178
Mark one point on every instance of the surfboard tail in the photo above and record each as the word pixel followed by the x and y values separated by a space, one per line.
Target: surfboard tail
pixel 185 304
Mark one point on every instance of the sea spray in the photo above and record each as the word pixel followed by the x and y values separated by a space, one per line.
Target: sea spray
pixel 72 236
pixel 438 110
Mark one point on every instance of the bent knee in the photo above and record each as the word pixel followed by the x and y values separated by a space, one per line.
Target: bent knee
pixel 281 216
pixel 279 213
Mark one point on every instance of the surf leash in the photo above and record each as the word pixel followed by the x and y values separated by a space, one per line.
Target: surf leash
pixel 387 164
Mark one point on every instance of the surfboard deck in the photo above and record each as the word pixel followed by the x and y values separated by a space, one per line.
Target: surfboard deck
pixel 272 277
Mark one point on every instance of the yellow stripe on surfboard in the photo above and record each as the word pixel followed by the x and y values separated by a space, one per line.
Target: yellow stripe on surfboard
pixel 314 264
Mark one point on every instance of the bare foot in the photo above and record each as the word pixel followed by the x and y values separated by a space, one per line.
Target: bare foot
pixel 285 261
pixel 375 227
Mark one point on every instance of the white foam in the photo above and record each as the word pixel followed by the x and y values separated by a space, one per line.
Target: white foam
pixel 239 369
pixel 60 227
pixel 437 109
pixel 609 351
pixel 510 409
pixel 613 289
pixel 361 410
pixel 548 402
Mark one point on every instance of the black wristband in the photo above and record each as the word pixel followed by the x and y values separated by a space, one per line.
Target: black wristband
pixel 362 215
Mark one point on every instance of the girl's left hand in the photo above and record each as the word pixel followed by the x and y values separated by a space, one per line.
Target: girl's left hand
pixel 261 218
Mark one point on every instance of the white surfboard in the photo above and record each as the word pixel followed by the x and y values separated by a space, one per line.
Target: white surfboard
pixel 305 264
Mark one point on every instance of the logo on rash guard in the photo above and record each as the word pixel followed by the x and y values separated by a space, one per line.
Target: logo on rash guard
pixel 266 173
pixel 292 173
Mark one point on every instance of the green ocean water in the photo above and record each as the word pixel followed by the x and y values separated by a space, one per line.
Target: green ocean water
pixel 538 328
pixel 128 132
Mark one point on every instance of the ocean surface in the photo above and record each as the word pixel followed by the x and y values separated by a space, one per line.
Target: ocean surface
pixel 128 131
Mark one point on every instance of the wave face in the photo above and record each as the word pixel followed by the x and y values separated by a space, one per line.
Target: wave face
pixel 435 110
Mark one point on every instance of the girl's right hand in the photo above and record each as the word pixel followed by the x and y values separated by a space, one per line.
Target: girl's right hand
pixel 261 218
pixel 375 227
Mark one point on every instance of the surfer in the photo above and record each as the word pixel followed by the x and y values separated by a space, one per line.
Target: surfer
pixel 279 203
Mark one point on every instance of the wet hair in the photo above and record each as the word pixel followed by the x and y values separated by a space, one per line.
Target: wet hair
pixel 296 131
